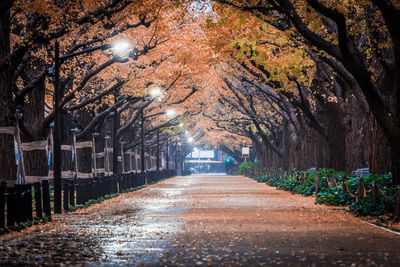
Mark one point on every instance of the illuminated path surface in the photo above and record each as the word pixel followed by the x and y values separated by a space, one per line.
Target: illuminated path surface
pixel 204 220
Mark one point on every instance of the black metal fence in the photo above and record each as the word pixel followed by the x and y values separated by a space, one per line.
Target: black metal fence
pixel 20 203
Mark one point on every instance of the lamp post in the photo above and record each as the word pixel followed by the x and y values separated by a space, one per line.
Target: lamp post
pixel 57 111
pixel 122 142
pixel 142 142
pixel 106 157
pixel 154 93
pixel 115 140
pixel 21 165
pixel 158 152
pixel 74 131
pixel 167 155
pixel 170 114
pixel 94 134
pixel 176 156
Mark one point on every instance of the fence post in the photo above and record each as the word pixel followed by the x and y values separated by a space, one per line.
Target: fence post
pixel 46 198
pixel 65 195
pixel 317 183
pixel 38 200
pixel 361 189
pixel 397 209
pixel 96 187
pixel 334 181
pixel 72 193
pixel 28 200
pixel 91 191
pixel 344 185
pixel 11 192
pixel 326 182
pixel 375 191
pixel 19 204
pixel 2 203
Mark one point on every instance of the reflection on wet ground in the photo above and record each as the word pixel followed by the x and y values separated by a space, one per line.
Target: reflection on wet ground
pixel 203 220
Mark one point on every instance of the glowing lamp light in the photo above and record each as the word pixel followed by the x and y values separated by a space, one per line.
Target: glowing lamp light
pixel 190 140
pixel 170 113
pixel 121 48
pixel 155 92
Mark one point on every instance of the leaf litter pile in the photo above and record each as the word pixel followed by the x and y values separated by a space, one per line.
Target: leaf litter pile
pixel 205 221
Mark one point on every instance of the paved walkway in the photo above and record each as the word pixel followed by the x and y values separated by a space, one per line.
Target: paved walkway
pixel 204 220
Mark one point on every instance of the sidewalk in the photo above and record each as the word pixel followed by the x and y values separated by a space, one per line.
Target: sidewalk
pixel 204 220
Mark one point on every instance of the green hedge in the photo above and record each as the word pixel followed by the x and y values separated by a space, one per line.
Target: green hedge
pixel 245 167
pixel 335 196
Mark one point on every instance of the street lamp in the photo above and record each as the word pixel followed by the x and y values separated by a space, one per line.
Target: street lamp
pixel 158 152
pixel 19 114
pixel 122 142
pixel 94 135
pixel 74 132
pixel 121 48
pixel 198 156
pixel 142 142
pixel 106 138
pixel 155 92
pixel 118 48
pixel 170 113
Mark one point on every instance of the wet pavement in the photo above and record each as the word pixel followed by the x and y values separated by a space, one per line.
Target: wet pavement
pixel 204 220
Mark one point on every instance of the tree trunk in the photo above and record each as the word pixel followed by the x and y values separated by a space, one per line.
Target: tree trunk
pixel 395 157
pixel 336 140
pixel 36 163
pixel 357 135
pixel 7 162
pixel 379 149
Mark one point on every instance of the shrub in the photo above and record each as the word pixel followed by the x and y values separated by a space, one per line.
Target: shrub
pixel 245 167
pixel 335 196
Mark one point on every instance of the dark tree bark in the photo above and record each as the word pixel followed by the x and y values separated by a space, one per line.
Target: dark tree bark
pixel 36 163
pixel 7 162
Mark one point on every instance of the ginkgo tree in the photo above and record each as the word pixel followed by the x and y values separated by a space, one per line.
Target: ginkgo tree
pixel 360 43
